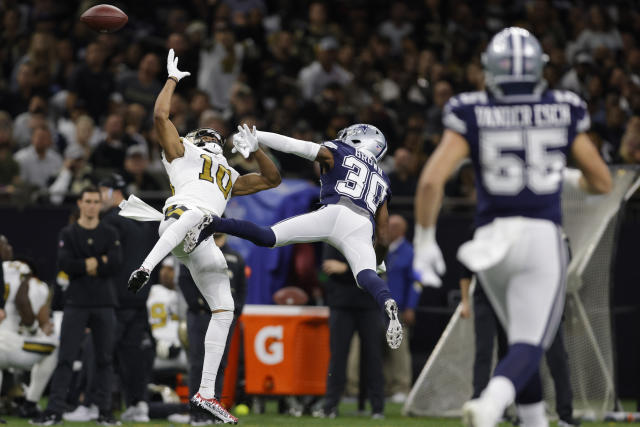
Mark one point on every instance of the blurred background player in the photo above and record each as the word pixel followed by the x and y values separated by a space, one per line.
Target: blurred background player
pixel 202 182
pixel 89 252
pixel 518 136
pixel 132 338
pixel 28 339
pixel 164 320
pixel 354 216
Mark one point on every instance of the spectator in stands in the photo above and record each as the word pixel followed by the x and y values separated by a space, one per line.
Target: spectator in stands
pixel 323 71
pixel 39 163
pixel 91 83
pixel 630 145
pixel 142 87
pixel 442 91
pixel 576 78
pixel 75 175
pixel 199 103
pixel 17 99
pixel 350 310
pixel 220 65
pixel 403 181
pixel 135 167
pixel 318 27
pixel 600 33
pixel 398 367
pixel 397 27
pixel 9 167
pixel 110 152
pixel 25 122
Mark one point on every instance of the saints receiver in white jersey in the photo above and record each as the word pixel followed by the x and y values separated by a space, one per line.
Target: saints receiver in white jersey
pixel 202 182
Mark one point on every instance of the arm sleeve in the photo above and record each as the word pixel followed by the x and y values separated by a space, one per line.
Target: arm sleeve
pixel 305 149
pixel 114 256
pixel 452 117
pixel 59 187
pixel 67 260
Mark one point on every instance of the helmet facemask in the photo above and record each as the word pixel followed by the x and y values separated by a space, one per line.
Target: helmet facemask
pixel 208 139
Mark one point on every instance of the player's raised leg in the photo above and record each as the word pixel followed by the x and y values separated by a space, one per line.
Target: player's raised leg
pixel 171 236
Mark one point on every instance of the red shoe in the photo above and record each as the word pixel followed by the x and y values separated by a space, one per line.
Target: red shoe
pixel 212 405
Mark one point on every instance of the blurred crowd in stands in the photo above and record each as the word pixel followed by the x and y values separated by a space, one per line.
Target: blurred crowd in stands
pixel 76 105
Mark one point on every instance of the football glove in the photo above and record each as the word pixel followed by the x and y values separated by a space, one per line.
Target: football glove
pixel 428 263
pixel 245 141
pixel 172 67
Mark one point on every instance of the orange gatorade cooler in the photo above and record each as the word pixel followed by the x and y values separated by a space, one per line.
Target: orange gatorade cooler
pixel 286 349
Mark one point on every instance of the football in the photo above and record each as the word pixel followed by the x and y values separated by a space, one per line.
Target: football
pixel 290 295
pixel 104 18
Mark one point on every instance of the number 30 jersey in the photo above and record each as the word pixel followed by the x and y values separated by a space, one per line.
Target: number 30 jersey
pixel 200 179
pixel 519 150
pixel 355 179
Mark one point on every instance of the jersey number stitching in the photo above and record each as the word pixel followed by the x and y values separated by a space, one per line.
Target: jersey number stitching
pixel 355 183
pixel 507 174
pixel 158 311
pixel 222 173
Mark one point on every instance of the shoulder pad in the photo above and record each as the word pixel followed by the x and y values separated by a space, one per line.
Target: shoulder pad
pixel 568 97
pixel 330 144
pixel 466 98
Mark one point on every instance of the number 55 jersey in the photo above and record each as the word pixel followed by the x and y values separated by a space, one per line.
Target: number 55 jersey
pixel 519 150
pixel 199 179
pixel 355 181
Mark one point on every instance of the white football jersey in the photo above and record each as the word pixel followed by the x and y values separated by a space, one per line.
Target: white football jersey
pixel 13 272
pixel 162 305
pixel 200 179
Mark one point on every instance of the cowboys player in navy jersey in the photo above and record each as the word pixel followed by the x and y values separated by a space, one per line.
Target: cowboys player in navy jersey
pixel 353 219
pixel 518 135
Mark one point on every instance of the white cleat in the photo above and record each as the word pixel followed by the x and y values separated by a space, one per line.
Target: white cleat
pixel 82 414
pixel 394 331
pixel 214 407
pixel 193 235
pixel 476 413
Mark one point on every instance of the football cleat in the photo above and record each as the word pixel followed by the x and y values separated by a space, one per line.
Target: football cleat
pixel 476 413
pixel 46 419
pixel 192 238
pixel 215 408
pixel 394 331
pixel 82 414
pixel 138 279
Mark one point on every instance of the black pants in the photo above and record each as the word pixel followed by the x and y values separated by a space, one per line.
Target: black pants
pixel 197 324
pixel 342 324
pixel 487 326
pixel 131 347
pixel 102 322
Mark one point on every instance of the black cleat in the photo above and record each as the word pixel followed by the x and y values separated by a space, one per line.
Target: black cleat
pixel 138 279
pixel 46 419
pixel 28 409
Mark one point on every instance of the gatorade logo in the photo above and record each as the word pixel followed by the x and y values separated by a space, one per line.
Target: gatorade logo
pixel 268 345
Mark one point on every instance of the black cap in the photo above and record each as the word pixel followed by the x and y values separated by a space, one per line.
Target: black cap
pixel 114 181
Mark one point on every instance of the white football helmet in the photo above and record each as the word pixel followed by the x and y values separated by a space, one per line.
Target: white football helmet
pixel 365 137
pixel 208 139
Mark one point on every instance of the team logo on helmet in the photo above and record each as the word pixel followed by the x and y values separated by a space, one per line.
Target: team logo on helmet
pixel 365 137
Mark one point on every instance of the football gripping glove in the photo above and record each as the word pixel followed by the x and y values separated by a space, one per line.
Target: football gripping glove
pixel 172 67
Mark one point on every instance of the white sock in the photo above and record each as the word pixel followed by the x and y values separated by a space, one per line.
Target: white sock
pixel 214 343
pixel 533 415
pixel 500 392
pixel 40 375
pixel 172 237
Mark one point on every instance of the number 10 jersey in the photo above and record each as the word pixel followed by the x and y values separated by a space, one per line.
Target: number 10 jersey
pixel 355 180
pixel 519 150
pixel 200 179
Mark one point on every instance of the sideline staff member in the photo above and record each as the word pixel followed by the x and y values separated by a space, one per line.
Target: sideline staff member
pixel 89 252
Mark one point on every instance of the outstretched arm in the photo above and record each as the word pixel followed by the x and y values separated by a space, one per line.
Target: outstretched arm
pixel 305 149
pixel 268 177
pixel 168 136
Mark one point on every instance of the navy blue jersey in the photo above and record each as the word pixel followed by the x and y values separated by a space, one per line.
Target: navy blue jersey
pixel 355 176
pixel 518 150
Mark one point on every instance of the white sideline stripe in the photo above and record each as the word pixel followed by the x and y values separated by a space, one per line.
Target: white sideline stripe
pixel 284 310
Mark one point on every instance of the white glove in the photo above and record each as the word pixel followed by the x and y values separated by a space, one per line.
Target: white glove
pixel 382 268
pixel 245 141
pixel 428 263
pixel 172 67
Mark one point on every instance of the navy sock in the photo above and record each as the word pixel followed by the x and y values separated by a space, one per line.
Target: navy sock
pixel 532 391
pixel 369 281
pixel 261 236
pixel 520 364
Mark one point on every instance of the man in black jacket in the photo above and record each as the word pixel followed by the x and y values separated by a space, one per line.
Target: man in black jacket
pixel 89 253
pixel 132 339
pixel 198 315
pixel 351 309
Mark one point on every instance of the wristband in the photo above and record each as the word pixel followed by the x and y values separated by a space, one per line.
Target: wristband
pixel 173 78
